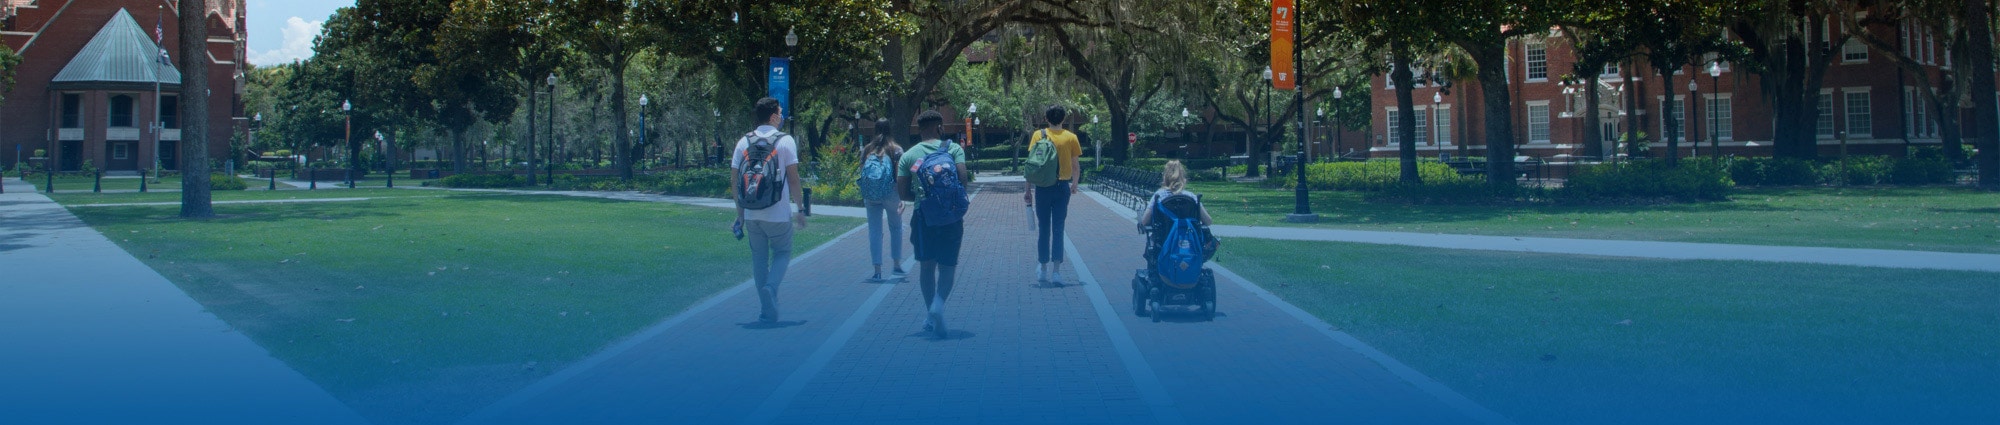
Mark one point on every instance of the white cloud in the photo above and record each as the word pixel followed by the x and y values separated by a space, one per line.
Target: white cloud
pixel 298 44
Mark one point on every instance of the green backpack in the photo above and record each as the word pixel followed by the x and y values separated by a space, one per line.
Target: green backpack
pixel 1043 169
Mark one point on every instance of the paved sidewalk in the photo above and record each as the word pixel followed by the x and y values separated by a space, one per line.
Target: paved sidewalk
pixel 95 336
pixel 1018 351
pixel 1617 248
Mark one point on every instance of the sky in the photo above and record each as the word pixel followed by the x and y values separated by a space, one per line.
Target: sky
pixel 282 31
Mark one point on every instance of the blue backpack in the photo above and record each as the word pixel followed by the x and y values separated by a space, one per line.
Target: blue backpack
pixel 944 200
pixel 1184 249
pixel 878 178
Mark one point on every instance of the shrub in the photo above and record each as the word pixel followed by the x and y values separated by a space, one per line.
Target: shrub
pixel 284 152
pixel 481 181
pixel 1859 170
pixel 1774 172
pixel 226 182
pixel 1649 180
pixel 1371 175
pixel 834 179
pixel 1926 165
pixel 699 182
pixel 988 164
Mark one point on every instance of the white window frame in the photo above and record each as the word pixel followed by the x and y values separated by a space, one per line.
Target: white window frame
pixel 1866 112
pixel 1718 118
pixel 1528 59
pixel 1679 118
pixel 1391 125
pixel 1611 70
pixel 1546 125
pixel 1851 49
pixel 1423 126
pixel 121 151
pixel 1442 122
pixel 1826 123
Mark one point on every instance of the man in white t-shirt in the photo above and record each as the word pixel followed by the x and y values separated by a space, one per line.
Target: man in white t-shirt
pixel 770 229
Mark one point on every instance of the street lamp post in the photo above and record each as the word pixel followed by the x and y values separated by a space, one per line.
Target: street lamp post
pixel 973 110
pixel 642 125
pixel 1302 211
pixel 1714 121
pixel 550 159
pixel 716 132
pixel 1337 124
pixel 1436 99
pixel 791 51
pixel 1097 146
pixel 347 110
pixel 1259 128
pixel 1693 94
pixel 388 159
pixel 1184 135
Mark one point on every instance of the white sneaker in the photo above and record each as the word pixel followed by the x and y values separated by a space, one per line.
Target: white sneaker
pixel 1042 273
pixel 927 323
pixel 937 317
pixel 1055 273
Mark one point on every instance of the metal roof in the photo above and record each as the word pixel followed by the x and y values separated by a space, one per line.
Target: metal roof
pixel 120 56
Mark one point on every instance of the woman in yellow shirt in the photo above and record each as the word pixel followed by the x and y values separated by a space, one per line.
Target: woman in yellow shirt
pixel 1051 202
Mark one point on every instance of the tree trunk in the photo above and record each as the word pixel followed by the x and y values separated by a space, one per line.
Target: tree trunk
pixel 1406 115
pixel 1492 61
pixel 1671 127
pixel 458 159
pixel 621 156
pixel 195 196
pixel 355 167
pixel 1593 125
pixel 1979 65
pixel 531 132
pixel 1253 141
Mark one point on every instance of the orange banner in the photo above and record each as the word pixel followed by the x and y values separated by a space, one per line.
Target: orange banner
pixel 1283 14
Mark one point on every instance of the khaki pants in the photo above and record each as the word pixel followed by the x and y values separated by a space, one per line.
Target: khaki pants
pixel 770 254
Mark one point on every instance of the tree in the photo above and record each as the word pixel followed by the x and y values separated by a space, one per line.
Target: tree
pixel 1944 18
pixel 1791 54
pixel 195 196
pixel 1675 34
pixel 1401 27
pixel 8 62
pixel 1130 61
pixel 607 34
pixel 1979 62
pixel 1601 37
pixel 1482 28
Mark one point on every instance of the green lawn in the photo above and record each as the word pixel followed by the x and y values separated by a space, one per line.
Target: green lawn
pixel 1567 339
pixel 1922 219
pixel 253 194
pixel 423 308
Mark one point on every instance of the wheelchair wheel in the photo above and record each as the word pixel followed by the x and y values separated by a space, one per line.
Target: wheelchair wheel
pixel 1156 311
pixel 1208 295
pixel 1139 297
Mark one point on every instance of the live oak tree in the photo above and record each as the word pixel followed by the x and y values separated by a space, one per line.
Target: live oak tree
pixel 195 196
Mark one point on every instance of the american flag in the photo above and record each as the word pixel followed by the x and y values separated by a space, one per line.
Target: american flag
pixel 160 38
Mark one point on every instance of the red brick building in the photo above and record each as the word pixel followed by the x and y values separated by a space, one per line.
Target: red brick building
pixel 85 89
pixel 1865 95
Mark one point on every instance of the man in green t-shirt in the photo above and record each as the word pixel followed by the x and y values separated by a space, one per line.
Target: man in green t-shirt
pixel 937 246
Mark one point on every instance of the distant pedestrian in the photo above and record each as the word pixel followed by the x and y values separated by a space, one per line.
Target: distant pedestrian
pixel 879 162
pixel 932 175
pixel 1052 178
pixel 767 189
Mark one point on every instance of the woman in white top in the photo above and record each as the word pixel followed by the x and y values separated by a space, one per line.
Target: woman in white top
pixel 1173 181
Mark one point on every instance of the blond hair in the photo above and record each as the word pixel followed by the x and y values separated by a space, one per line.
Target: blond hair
pixel 1173 177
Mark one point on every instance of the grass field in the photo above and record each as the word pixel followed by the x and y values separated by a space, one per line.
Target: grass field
pixel 1922 219
pixel 255 194
pixel 423 307
pixel 1589 340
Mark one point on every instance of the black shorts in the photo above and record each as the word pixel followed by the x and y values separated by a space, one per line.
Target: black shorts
pixel 936 243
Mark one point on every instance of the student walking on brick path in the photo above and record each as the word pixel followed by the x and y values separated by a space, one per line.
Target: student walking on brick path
pixel 1052 175
pixel 879 161
pixel 767 191
pixel 932 175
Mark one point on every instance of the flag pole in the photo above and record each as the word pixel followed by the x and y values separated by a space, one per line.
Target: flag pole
pixel 159 34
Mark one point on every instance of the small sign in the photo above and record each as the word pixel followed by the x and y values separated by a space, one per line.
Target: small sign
pixel 1132 138
pixel 1283 77
pixel 781 84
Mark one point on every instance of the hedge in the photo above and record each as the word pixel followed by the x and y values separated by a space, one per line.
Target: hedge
pixel 1690 181
pixel 226 182
pixel 1925 165
pixel 482 181
pixel 1372 175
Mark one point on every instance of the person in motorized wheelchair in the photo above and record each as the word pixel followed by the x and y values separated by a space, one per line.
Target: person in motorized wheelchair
pixel 1178 245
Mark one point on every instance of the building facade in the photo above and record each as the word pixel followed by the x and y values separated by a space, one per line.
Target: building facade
pixel 94 90
pixel 1866 97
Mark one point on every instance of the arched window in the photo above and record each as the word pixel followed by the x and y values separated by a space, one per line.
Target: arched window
pixel 121 111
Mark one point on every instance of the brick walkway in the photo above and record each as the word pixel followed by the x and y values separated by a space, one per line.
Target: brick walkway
pixel 1018 352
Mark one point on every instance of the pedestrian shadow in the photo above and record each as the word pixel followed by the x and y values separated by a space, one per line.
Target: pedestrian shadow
pixel 949 334
pixel 1053 285
pixel 1188 317
pixel 771 325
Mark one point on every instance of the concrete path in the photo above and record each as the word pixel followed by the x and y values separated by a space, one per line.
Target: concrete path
pixel 1018 351
pixel 93 335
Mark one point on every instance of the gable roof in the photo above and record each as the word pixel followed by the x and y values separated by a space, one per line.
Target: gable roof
pixel 120 56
